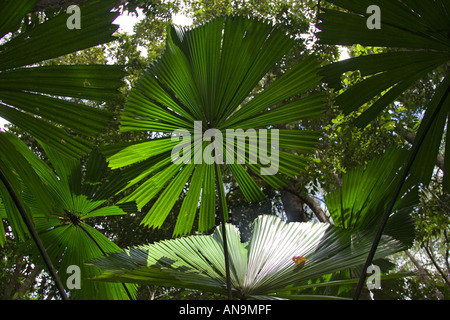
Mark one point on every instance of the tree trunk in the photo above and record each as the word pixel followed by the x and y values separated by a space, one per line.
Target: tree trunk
pixel 293 202
pixel 293 206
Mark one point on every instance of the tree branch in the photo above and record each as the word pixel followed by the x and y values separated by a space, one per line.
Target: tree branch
pixel 315 207
pixel 424 274
pixel 438 268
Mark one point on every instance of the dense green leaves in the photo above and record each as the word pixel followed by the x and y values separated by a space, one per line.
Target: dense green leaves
pixel 259 268
pixel 204 80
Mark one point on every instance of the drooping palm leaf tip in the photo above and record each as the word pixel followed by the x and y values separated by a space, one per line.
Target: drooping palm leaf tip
pixel 416 34
pixel 206 79
pixel 35 97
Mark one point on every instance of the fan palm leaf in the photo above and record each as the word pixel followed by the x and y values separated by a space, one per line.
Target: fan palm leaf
pixel 416 34
pixel 204 80
pixel 260 268
pixel 365 193
pixel 281 260
pixel 78 195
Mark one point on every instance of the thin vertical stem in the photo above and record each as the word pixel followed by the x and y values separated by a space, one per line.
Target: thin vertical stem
pixel 34 235
pixel 406 171
pixel 224 237
pixel 318 12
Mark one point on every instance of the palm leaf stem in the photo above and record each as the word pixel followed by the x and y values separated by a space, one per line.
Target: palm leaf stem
pixel 224 237
pixel 34 235
pixel 388 211
pixel 104 253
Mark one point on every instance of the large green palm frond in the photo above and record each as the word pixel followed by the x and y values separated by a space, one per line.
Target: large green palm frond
pixel 365 193
pixel 206 77
pixel 78 195
pixel 278 257
pixel 417 36
pixel 35 98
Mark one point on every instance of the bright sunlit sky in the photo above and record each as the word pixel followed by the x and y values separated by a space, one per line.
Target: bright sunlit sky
pixel 127 22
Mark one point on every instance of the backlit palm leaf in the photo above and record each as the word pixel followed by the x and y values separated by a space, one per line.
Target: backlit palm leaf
pixel 259 268
pixel 365 193
pixel 208 74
